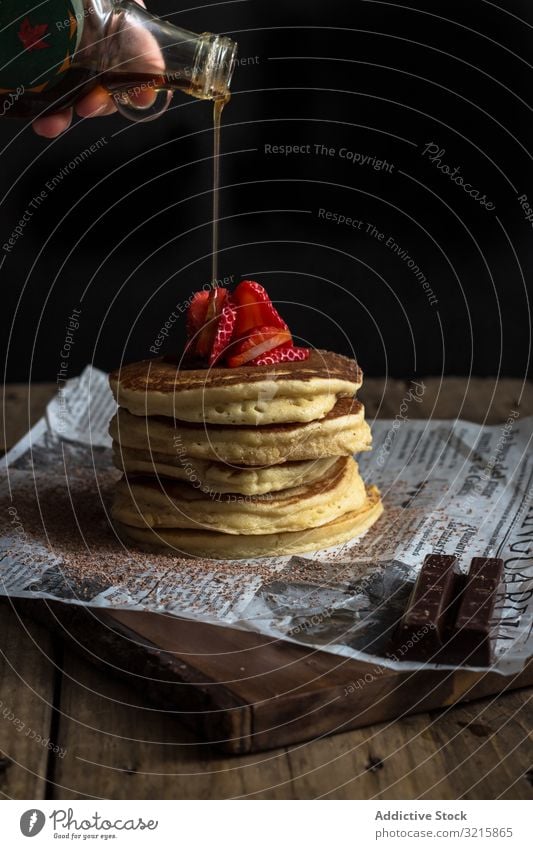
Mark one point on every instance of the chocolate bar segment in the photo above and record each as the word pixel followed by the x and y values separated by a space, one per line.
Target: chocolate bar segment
pixel 424 622
pixel 470 637
pixel 448 618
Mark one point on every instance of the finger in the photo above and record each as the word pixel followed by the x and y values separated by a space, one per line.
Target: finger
pixel 51 126
pixel 97 102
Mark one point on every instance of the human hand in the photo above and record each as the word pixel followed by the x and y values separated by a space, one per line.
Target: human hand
pixel 98 102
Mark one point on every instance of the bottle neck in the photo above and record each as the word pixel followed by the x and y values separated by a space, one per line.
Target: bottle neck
pixel 213 68
pixel 201 65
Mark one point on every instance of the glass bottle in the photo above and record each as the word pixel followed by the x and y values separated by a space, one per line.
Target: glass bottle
pixel 54 53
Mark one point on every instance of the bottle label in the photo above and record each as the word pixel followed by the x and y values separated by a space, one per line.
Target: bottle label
pixel 37 42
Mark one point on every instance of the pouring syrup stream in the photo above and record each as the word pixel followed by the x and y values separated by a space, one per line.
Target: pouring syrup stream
pixel 218 106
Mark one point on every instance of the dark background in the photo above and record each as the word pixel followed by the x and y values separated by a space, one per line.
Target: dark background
pixel 126 236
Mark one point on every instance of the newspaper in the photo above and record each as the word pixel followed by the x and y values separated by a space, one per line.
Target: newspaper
pixel 448 487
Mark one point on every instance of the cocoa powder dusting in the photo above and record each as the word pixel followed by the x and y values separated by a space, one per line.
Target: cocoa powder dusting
pixel 69 515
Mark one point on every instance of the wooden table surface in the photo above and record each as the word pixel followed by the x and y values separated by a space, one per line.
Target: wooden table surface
pixel 112 749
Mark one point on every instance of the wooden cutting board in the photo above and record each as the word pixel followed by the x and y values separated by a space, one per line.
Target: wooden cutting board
pixel 247 693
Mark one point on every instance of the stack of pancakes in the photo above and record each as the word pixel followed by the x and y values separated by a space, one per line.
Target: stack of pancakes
pixel 241 462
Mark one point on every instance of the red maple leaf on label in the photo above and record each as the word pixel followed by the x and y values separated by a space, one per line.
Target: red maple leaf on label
pixel 32 36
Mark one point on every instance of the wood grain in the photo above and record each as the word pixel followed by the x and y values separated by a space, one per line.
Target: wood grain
pixel 27 676
pixel 22 407
pixel 118 750
pixel 480 399
pixel 476 751
pixel 248 693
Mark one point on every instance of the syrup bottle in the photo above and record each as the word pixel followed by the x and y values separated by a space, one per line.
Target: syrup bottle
pixel 54 53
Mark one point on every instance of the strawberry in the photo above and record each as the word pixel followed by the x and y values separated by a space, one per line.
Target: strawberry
pixel 196 313
pixel 214 320
pixel 257 342
pixel 281 354
pixel 224 332
pixel 206 337
pixel 254 308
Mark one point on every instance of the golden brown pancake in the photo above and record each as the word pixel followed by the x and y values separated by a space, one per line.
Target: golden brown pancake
pixel 221 546
pixel 219 477
pixel 150 502
pixel 341 432
pixel 252 395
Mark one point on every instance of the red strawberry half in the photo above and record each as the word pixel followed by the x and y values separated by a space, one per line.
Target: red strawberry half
pixel 206 337
pixel 196 313
pixel 254 308
pixel 257 342
pixel 282 354
pixel 224 332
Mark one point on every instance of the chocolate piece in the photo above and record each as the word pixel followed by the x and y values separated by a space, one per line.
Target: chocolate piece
pixel 424 622
pixel 448 618
pixel 470 637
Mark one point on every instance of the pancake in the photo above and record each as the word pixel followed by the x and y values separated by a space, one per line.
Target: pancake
pixel 217 477
pixel 342 432
pixel 230 547
pixel 142 502
pixel 249 395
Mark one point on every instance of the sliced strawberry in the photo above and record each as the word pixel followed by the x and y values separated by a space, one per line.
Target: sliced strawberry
pixel 257 342
pixel 206 336
pixel 224 332
pixel 254 308
pixel 282 354
pixel 196 313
